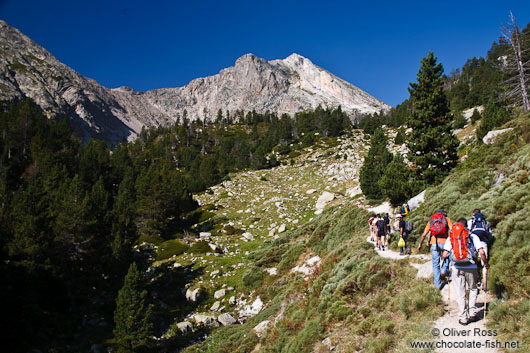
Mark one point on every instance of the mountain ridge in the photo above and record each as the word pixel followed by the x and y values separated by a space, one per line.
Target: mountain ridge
pixel 281 86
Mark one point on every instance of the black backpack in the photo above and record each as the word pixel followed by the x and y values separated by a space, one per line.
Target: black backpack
pixel 381 227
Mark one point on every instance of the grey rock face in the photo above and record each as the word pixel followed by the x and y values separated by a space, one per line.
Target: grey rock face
pixel 281 86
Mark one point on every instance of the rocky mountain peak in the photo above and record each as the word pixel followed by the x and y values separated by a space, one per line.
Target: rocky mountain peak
pixel 249 59
pixel 282 86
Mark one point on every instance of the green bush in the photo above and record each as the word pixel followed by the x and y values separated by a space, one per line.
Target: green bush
pixel 200 247
pixel 169 248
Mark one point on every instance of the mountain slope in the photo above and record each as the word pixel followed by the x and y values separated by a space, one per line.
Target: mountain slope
pixel 280 86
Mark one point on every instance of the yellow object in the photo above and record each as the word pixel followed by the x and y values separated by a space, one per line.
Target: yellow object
pixel 401 242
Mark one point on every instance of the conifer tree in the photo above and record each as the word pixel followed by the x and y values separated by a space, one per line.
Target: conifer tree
pixel 395 182
pixel 132 314
pixel 432 144
pixel 374 165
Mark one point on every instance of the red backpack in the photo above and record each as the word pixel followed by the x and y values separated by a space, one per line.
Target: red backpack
pixel 438 224
pixel 462 245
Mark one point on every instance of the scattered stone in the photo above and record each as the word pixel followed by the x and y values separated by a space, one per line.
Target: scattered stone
pixel 232 300
pixel 309 266
pixel 177 265
pixel 327 342
pixel 310 191
pixel 260 328
pixel 219 294
pixel 282 228
pixel 185 326
pixel 205 235
pixel 272 271
pixel 215 306
pixel 498 181
pixel 226 319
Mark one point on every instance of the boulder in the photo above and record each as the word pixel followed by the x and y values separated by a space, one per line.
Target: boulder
pixel 219 294
pixel 205 320
pixel 185 326
pixel 248 236
pixel 226 319
pixel 193 295
pixel 416 201
pixel 308 267
pixel 253 309
pixel 324 199
pixel 492 135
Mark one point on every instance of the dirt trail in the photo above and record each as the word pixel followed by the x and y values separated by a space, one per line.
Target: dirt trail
pixel 452 336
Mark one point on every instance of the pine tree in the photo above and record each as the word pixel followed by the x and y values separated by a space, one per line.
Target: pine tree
pixel 432 144
pixel 374 165
pixel 395 183
pixel 132 314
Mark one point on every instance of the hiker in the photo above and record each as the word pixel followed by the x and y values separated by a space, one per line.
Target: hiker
pixel 371 223
pixel 479 226
pixel 381 232
pixel 405 209
pixel 439 225
pixel 403 234
pixel 386 218
pixel 461 246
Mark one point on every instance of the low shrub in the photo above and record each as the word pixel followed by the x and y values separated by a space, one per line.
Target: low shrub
pixel 200 247
pixel 169 248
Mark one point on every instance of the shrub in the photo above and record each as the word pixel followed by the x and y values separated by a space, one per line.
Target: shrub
pixel 169 248
pixel 200 247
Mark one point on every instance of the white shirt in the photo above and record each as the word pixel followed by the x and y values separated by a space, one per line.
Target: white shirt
pixel 476 242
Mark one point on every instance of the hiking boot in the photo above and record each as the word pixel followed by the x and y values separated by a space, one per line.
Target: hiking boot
pixel 473 318
pixel 401 254
pixel 443 277
pixel 409 252
pixel 463 322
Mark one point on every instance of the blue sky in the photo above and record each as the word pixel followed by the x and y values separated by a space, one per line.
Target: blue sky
pixel 375 45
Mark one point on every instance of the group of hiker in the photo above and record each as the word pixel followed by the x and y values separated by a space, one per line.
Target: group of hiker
pixel 456 244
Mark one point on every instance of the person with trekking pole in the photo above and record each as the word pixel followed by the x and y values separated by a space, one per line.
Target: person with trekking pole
pixel 479 226
pixel 438 227
pixel 461 246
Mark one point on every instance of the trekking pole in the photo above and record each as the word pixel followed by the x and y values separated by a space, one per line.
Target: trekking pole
pixel 485 295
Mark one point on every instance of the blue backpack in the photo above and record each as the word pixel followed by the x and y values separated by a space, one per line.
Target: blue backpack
pixel 480 227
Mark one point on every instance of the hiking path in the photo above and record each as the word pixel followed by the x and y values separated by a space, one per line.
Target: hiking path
pixel 452 336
